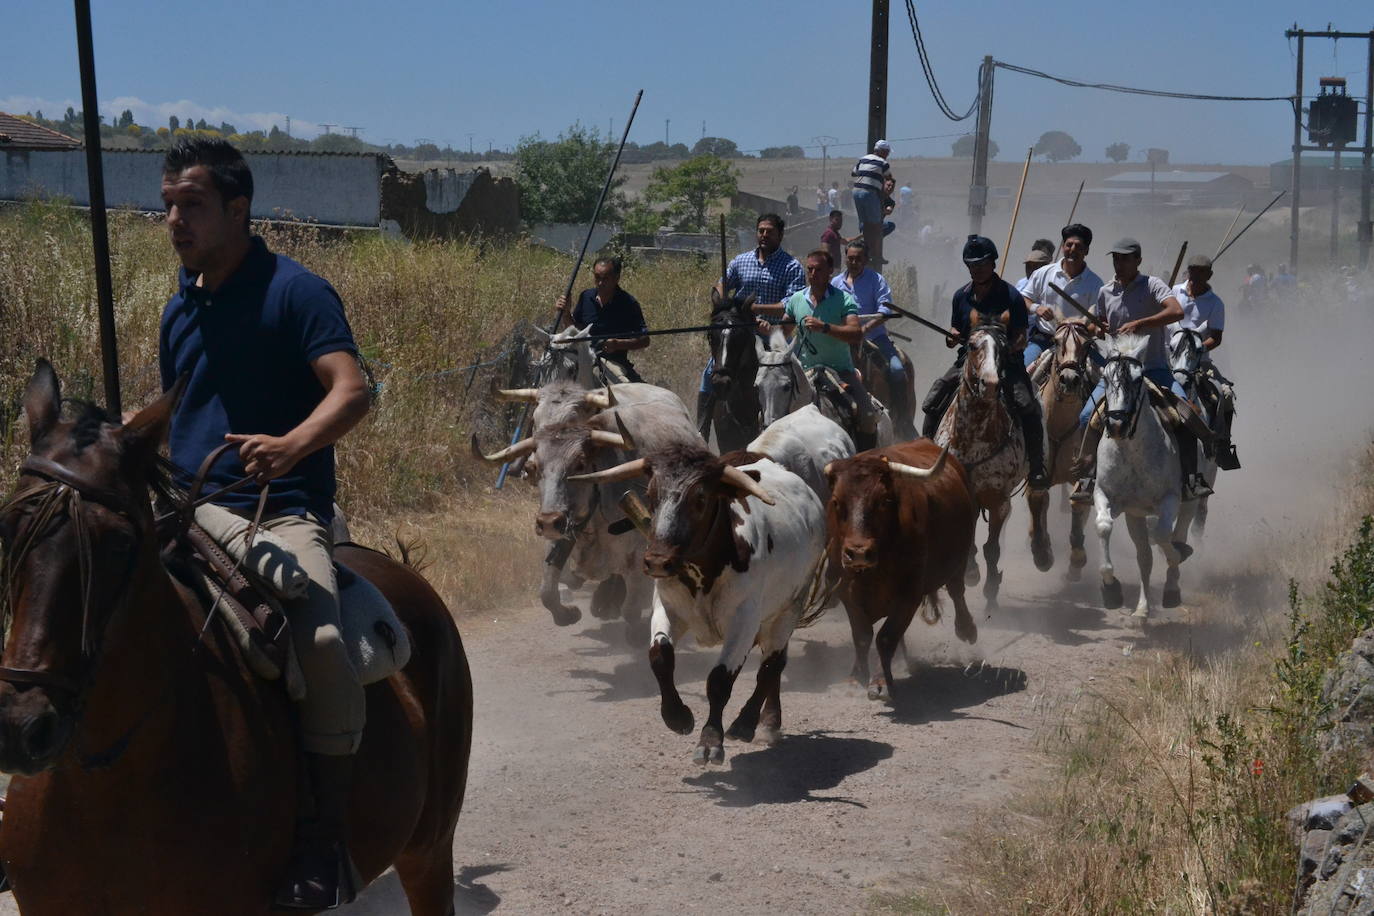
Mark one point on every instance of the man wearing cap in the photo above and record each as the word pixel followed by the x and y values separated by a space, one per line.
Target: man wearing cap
pixel 1134 303
pixel 990 295
pixel 869 173
pixel 1071 274
pixel 1203 311
pixel 873 297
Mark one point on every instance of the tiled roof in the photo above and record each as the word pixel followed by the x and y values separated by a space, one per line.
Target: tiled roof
pixel 1174 176
pixel 17 133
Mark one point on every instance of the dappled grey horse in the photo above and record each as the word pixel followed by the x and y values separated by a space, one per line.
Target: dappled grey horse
pixel 1137 475
pixel 1188 361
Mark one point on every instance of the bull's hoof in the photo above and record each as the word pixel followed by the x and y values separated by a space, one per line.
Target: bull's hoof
pixel 742 729
pixel 677 717
pixel 1140 614
pixel 608 597
pixel 565 615
pixel 1184 550
pixel 966 629
pixel 1111 595
pixel 878 690
pixel 1172 597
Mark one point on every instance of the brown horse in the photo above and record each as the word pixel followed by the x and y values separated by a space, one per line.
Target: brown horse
pixel 154 773
pixel 1065 382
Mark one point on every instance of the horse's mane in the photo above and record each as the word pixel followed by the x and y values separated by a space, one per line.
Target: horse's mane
pixel 88 424
pixel 1129 345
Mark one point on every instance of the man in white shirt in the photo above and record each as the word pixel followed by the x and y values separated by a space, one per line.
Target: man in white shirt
pixel 1071 274
pixel 1204 311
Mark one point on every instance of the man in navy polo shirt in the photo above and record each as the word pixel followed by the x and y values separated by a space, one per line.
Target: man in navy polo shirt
pixel 271 367
pixel 990 295
pixel 609 310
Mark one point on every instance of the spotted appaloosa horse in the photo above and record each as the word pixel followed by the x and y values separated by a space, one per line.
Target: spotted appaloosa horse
pixel 988 442
pixel 1137 475
pixel 1064 383
pixel 155 774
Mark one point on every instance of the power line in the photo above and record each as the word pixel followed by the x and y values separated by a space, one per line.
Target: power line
pixel 929 72
pixel 1131 90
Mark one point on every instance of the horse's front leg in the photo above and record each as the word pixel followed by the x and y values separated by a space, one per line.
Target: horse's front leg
pixel 1038 502
pixel 1138 526
pixel 1078 556
pixel 1111 586
pixel 992 552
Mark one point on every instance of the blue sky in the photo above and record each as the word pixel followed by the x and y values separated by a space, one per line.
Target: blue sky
pixel 766 73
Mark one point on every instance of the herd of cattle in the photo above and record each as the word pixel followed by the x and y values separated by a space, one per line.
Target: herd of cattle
pixel 740 549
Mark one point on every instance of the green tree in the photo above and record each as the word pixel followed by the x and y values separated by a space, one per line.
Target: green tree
pixel 337 143
pixel 173 122
pixel 1057 146
pixel 1118 152
pixel 71 117
pixel 963 148
pixel 716 146
pixel 126 119
pixel 782 152
pixel 560 180
pixel 689 189
pixel 201 125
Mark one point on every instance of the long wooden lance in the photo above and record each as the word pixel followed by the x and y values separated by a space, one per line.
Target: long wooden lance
pixel 1072 211
pixel 100 233
pixel 1081 310
pixel 1228 230
pixel 1178 263
pixel 1016 210
pixel 923 321
pixel 572 277
pixel 1252 222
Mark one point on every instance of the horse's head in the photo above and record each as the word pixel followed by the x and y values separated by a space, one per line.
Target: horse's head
pixel 1186 353
pixel 780 380
pixel 1125 377
pixel 987 348
pixel 568 357
pixel 731 347
pixel 1072 344
pixel 74 532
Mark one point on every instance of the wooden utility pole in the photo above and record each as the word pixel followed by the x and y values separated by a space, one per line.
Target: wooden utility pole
pixel 877 76
pixel 978 187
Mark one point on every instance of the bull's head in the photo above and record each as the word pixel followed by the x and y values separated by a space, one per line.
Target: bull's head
pixel 689 491
pixel 863 511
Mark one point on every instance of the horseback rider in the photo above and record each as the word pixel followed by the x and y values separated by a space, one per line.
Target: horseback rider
pixel 1135 303
pixel 827 320
pixel 271 367
pixel 609 310
pixel 1071 274
pixel 1204 312
pixel 990 295
pixel 874 298
pixel 768 273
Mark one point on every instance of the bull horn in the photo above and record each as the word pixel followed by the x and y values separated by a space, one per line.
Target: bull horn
pixel 742 481
pixel 518 450
pixel 907 470
pixel 625 434
pixel 610 396
pixel 601 400
pixel 629 469
pixel 518 394
pixel 605 437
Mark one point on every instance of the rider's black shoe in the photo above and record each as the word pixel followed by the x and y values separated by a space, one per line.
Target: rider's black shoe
pixel 1196 487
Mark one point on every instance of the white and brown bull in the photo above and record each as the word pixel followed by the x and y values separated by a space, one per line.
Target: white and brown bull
pixel 901 522
pixel 732 551
pixel 576 516
pixel 804 442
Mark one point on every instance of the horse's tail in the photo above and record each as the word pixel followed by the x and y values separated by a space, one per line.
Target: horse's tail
pixel 413 552
pixel 930 608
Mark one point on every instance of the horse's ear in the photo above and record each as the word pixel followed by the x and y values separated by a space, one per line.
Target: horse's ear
pixel 975 318
pixel 760 347
pixel 1005 319
pixel 42 400
pixel 749 301
pixel 146 430
pixel 715 298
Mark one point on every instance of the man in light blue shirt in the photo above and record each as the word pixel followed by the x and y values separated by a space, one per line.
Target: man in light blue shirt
pixel 874 298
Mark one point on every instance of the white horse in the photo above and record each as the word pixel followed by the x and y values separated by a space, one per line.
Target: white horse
pixel 1138 475
pixel 1187 360
pixel 784 386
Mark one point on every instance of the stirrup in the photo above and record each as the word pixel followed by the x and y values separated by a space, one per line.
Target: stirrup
pixel 1227 459
pixel 314 891
pixel 1196 488
pixel 1083 490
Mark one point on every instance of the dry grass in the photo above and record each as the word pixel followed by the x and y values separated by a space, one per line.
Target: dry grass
pixel 417 311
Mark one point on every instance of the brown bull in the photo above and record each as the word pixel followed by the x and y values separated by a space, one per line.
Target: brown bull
pixel 900 522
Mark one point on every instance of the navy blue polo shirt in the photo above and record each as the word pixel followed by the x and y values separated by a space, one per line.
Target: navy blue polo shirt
pixel 1002 297
pixel 622 316
pixel 247 348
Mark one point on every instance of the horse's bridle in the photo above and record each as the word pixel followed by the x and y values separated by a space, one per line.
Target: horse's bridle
pixel 1134 418
pixel 1189 377
pixel 1081 365
pixel 63 488
pixel 998 335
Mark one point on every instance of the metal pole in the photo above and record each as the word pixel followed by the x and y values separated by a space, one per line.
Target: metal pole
pixel 978 187
pixel 1294 228
pixel 100 234
pixel 1335 198
pixel 877 75
pixel 1365 231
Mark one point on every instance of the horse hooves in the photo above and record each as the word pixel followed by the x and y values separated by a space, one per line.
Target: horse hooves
pixel 708 754
pixel 1172 597
pixel 972 576
pixel 565 615
pixel 1184 550
pixel 678 718
pixel 608 598
pixel 966 630
pixel 1073 574
pixel 740 730
pixel 878 690
pixel 1044 561
pixel 1111 595
pixel 769 736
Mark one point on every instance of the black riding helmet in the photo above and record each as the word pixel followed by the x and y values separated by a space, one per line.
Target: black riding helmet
pixel 979 248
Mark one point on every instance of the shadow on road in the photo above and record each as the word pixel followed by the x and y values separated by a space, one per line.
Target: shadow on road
pixel 794 771
pixel 385 897
pixel 938 694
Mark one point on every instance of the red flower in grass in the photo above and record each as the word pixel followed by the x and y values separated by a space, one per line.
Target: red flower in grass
pixel 1257 767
